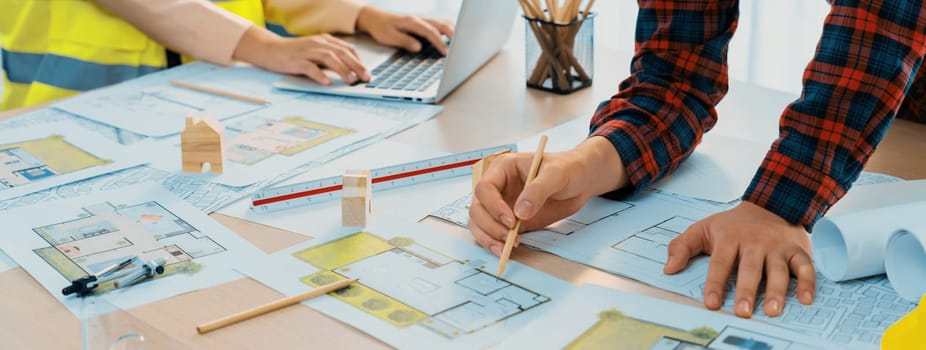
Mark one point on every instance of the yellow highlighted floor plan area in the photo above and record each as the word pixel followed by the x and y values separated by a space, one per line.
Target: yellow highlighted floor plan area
pixel 617 331
pixel 614 330
pixel 33 160
pixel 405 284
pixel 255 139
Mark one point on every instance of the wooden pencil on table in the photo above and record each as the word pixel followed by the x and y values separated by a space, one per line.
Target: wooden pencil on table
pixel 272 306
pixel 513 232
pixel 218 92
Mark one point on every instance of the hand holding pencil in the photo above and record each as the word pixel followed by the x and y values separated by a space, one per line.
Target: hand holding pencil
pixel 563 183
pixel 513 231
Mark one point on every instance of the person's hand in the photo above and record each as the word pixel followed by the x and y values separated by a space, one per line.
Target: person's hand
pixel 565 181
pixel 400 30
pixel 760 242
pixel 302 56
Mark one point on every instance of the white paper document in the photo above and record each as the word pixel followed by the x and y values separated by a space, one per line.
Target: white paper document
pixel 853 245
pixel 905 261
pixel 152 106
pixel 44 156
pixel 872 227
pixel 593 317
pixel 416 290
pixel 261 144
pixel 74 237
pixel 853 239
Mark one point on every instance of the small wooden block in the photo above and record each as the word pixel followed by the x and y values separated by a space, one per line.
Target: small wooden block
pixel 355 197
pixel 483 165
pixel 201 143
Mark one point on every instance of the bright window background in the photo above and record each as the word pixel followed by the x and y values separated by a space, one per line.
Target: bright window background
pixel 774 42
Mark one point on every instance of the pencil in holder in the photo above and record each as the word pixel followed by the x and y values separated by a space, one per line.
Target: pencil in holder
pixel 560 56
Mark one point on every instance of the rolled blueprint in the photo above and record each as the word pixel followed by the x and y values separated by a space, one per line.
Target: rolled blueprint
pixel 852 245
pixel 905 262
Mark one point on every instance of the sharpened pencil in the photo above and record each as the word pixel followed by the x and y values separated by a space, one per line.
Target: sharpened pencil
pixel 513 233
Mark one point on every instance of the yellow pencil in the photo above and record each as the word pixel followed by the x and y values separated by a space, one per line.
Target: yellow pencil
pixel 513 233
pixel 272 306
pixel 218 92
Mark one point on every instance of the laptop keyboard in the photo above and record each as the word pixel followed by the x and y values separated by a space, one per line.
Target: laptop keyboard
pixel 409 71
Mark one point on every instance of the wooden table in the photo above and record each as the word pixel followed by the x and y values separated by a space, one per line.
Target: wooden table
pixel 493 107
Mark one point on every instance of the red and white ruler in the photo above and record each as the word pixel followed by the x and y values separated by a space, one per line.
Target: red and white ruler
pixel 309 192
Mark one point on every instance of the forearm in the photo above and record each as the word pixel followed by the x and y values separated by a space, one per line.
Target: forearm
pixel 254 43
pixel 677 77
pixel 195 28
pixel 602 164
pixel 855 83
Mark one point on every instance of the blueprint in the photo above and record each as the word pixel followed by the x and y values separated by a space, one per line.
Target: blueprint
pixel 201 193
pixel 151 106
pixel 594 317
pixel 33 158
pixel 44 117
pixel 633 241
pixel 257 146
pixel 416 289
pixel 636 233
pixel 457 211
pixel 74 237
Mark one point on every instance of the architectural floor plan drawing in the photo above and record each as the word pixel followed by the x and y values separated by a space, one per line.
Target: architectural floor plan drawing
pixel 593 317
pixel 32 159
pixel 284 136
pixel 203 194
pixel 74 237
pixel 634 242
pixel 415 289
pixel 406 284
pixel 106 234
pixel 457 213
pixel 256 139
pixel 157 108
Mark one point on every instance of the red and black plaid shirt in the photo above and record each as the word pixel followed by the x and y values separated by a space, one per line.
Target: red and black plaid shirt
pixel 864 66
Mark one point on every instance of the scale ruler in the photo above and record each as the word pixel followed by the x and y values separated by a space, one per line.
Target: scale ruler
pixel 315 191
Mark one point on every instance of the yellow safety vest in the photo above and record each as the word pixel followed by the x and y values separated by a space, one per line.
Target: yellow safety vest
pixel 58 48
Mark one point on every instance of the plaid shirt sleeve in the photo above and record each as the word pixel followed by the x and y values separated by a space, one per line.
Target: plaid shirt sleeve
pixel 865 62
pixel 678 75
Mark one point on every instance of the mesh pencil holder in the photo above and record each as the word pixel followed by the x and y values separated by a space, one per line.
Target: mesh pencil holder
pixel 560 56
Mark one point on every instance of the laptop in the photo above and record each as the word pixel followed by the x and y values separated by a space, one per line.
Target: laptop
pixel 482 27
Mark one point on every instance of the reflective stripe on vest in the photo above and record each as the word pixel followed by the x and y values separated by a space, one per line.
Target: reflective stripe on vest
pixel 54 49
